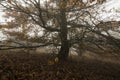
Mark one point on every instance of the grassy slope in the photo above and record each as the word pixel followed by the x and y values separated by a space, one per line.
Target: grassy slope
pixel 21 66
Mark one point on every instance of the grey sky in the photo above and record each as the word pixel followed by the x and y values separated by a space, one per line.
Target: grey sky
pixel 110 13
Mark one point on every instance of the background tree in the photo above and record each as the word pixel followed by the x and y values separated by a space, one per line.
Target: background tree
pixel 61 23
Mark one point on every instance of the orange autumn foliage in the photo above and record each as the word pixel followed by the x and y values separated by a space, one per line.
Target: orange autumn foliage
pixel 9 1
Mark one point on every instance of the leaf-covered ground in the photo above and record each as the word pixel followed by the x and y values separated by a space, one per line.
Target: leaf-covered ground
pixel 20 66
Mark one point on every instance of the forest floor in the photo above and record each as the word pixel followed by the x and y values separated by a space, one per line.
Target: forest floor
pixel 21 66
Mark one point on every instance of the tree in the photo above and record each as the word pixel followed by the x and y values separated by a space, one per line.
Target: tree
pixel 63 22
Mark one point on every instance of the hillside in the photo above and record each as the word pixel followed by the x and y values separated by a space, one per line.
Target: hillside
pixel 21 66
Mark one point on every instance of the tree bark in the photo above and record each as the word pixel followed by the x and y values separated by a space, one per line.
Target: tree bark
pixel 64 50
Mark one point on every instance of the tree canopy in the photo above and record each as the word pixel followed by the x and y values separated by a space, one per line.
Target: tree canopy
pixel 61 23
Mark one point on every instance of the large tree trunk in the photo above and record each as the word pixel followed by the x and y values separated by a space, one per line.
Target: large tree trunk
pixel 64 51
